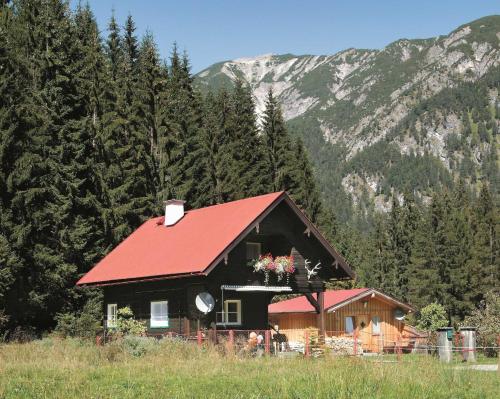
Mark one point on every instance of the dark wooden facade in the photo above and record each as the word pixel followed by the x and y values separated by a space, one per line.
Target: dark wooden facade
pixel 279 233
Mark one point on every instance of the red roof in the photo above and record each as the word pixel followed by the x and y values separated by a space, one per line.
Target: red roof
pixel 302 305
pixel 188 247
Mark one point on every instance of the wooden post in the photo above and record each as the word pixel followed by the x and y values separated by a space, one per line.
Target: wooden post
pixel 321 316
pixel 355 336
pixel 187 327
pixel 199 337
pixel 398 347
pixel 267 341
pixel 231 339
pixel 306 338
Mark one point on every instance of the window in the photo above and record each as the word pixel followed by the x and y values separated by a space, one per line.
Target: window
pixel 111 315
pixel 231 314
pixel 375 325
pixel 349 324
pixel 253 250
pixel 159 314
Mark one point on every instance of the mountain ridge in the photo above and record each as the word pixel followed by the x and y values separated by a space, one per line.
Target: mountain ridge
pixel 357 98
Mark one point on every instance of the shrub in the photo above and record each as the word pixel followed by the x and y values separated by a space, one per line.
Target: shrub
pixel 486 318
pixel 127 325
pixel 432 317
pixel 138 346
pixel 86 324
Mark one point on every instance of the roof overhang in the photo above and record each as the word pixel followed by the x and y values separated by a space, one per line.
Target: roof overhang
pixel 367 293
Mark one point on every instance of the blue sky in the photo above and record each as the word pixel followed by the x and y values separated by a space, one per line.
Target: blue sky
pixel 218 30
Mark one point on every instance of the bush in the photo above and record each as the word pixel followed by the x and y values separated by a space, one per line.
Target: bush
pixel 432 317
pixel 86 324
pixel 138 346
pixel 486 318
pixel 127 325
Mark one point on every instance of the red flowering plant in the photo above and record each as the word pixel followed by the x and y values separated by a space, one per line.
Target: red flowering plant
pixel 281 266
pixel 265 262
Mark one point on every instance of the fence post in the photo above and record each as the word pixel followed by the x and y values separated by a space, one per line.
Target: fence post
pixel 267 341
pixel 355 348
pixel 199 337
pixel 231 339
pixel 306 349
pixel 398 346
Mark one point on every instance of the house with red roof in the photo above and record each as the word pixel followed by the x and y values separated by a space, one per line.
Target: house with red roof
pixel 217 267
pixel 375 318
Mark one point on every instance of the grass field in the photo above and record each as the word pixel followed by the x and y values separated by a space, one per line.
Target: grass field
pixel 53 368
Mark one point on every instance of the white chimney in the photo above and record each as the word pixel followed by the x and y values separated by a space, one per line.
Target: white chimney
pixel 174 211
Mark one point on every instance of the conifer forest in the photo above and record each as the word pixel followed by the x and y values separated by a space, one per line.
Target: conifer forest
pixel 96 131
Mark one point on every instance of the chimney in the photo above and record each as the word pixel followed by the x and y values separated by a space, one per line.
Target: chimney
pixel 174 211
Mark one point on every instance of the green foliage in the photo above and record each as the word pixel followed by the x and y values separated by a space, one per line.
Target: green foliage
pixel 127 325
pixel 432 317
pixel 486 318
pixel 84 324
pixel 139 346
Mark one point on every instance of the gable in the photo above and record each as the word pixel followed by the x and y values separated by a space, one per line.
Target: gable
pixel 334 300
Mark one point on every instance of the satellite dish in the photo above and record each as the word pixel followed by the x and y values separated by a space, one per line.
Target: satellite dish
pixel 205 302
pixel 399 315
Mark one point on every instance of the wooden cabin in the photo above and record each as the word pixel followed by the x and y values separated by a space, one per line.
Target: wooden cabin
pixel 163 266
pixel 374 317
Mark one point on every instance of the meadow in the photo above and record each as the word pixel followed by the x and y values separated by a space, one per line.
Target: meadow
pixel 70 368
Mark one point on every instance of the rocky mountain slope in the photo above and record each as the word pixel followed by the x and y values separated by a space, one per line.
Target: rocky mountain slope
pixel 415 115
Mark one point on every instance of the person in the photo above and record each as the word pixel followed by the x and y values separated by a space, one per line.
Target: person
pixel 252 342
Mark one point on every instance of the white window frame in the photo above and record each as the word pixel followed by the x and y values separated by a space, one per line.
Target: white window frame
pixel 225 315
pixel 353 325
pixel 376 328
pixel 111 315
pixel 253 244
pixel 160 321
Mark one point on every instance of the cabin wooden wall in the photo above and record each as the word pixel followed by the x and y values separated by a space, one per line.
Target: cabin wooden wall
pixel 292 324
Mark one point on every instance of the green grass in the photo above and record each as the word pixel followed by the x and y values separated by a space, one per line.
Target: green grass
pixel 71 369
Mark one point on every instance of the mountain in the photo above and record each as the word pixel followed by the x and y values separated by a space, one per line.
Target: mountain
pixel 416 115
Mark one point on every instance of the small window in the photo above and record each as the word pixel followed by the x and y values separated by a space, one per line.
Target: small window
pixel 253 250
pixel 159 314
pixel 111 315
pixel 232 313
pixel 349 324
pixel 375 325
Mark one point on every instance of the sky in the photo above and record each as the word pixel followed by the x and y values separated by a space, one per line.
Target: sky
pixel 218 30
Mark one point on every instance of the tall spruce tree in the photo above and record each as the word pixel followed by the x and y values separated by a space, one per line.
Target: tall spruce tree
pixel 185 176
pixel 278 147
pixel 41 181
pixel 306 193
pixel 250 168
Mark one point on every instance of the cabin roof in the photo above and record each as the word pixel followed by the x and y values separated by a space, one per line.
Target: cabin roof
pixel 193 246
pixel 334 299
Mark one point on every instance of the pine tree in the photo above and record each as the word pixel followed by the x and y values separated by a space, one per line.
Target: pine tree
pixel 483 263
pixel 182 147
pixel 129 173
pixel 278 146
pixel 306 193
pixel 245 146
pixel 216 140
pixel 424 285
pixel 41 179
